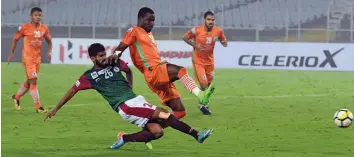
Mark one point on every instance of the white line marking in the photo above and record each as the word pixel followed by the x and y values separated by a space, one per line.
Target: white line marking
pixel 221 98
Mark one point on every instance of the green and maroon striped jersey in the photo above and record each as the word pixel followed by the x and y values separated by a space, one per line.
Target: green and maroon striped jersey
pixel 109 82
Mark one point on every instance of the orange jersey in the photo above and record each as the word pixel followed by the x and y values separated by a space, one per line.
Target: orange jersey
pixel 206 40
pixel 32 41
pixel 143 49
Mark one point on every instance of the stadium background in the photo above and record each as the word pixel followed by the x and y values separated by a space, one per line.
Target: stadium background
pixel 256 113
pixel 243 20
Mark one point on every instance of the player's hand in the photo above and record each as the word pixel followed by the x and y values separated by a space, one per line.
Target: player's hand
pixel 10 58
pixel 112 59
pixel 49 56
pixel 51 114
pixel 199 47
pixel 224 43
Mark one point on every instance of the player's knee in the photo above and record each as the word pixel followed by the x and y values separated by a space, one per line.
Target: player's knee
pixel 204 86
pixel 179 114
pixel 175 104
pixel 32 81
pixel 158 133
pixel 155 129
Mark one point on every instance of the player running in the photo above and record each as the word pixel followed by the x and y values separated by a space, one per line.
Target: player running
pixel 32 33
pixel 111 84
pixel 158 74
pixel 205 37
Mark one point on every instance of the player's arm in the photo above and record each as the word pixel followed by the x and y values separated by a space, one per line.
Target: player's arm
pixel 48 39
pixel 128 39
pixel 61 103
pixel 18 35
pixel 81 84
pixel 223 39
pixel 128 72
pixel 188 38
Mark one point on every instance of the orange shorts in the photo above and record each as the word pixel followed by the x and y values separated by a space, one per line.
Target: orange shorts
pixel 31 69
pixel 159 83
pixel 204 74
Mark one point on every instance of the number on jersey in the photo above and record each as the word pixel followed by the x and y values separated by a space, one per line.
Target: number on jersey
pixel 108 74
pixel 37 34
pixel 147 105
pixel 208 40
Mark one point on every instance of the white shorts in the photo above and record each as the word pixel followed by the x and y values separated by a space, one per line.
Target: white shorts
pixel 137 111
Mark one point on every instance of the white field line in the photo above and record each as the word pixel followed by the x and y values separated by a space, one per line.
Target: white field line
pixel 219 98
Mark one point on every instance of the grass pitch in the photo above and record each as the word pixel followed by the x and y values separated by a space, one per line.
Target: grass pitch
pixel 256 113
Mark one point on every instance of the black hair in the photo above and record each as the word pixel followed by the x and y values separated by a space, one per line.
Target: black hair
pixel 143 11
pixel 95 48
pixel 209 13
pixel 35 9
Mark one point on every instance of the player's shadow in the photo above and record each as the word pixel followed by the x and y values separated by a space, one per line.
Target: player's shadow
pixel 126 152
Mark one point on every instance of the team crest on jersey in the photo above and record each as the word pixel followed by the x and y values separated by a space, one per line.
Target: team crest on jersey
pixel 204 77
pixel 34 74
pixel 116 69
pixel 94 75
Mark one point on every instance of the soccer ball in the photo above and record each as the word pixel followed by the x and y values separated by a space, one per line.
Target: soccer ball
pixel 343 118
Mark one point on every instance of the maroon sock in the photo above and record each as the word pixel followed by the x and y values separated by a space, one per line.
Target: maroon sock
pixel 142 136
pixel 173 122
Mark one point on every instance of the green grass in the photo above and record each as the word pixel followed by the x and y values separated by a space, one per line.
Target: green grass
pixel 256 113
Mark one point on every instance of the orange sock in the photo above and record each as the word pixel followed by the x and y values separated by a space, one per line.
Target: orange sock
pixel 179 114
pixel 22 91
pixel 35 95
pixel 38 105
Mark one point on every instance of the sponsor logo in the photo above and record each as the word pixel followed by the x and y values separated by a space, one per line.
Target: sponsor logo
pixel 176 54
pixel 94 75
pixel 69 50
pixel 290 61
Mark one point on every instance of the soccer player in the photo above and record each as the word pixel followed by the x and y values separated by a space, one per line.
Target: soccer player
pixel 205 37
pixel 107 79
pixel 158 74
pixel 33 34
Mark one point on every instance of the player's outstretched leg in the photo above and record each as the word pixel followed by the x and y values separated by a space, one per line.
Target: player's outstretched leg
pixel 152 131
pixel 175 123
pixel 180 73
pixel 21 91
pixel 160 115
pixel 142 136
